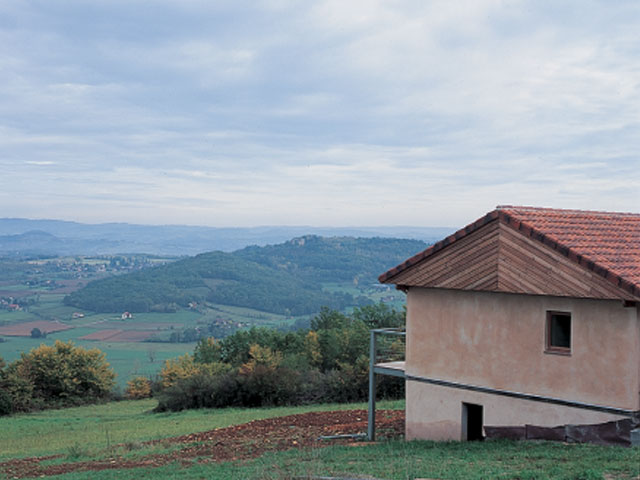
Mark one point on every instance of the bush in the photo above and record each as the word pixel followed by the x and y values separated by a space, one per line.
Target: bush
pixel 59 375
pixel 265 367
pixel 177 369
pixel 200 391
pixel 137 388
pixel 6 406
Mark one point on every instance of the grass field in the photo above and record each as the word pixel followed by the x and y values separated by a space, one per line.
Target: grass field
pixel 94 427
pixel 86 433
pixel 128 359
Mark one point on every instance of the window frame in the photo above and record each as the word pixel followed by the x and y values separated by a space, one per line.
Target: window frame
pixel 556 349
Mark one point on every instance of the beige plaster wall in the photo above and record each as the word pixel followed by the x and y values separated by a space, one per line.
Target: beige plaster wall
pixel 435 412
pixel 497 340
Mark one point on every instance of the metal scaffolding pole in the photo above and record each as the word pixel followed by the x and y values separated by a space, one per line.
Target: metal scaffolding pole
pixel 371 426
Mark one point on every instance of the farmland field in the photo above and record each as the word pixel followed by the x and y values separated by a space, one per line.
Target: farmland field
pixel 133 346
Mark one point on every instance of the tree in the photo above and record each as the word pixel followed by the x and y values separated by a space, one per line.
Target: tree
pixel 379 315
pixel 329 319
pixel 207 351
pixel 37 333
pixel 176 369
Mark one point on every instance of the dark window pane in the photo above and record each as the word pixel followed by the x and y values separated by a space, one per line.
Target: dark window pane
pixel 560 330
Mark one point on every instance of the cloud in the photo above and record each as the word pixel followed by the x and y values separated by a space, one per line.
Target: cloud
pixel 343 113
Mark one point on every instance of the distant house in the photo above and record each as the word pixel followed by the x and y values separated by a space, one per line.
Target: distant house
pixel 525 316
pixel 77 315
pixel 126 315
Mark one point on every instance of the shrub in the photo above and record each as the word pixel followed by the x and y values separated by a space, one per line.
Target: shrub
pixel 58 375
pixel 138 387
pixel 265 367
pixel 264 386
pixel 6 406
pixel 200 391
pixel 177 369
pixel 185 366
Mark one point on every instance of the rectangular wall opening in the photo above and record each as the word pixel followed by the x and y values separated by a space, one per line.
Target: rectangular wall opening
pixel 472 422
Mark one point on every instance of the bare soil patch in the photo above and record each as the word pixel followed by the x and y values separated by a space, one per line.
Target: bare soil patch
pixel 136 325
pixel 101 335
pixel 119 335
pixel 68 286
pixel 132 336
pixel 23 329
pixel 238 442
pixel 17 293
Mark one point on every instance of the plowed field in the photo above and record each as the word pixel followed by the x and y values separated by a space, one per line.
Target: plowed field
pixel 24 329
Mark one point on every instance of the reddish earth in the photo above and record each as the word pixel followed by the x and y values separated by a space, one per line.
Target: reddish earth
pixel 239 442
pixel 24 329
pixel 119 335
pixel 134 325
pixel 16 293
pixel 101 335
pixel 132 336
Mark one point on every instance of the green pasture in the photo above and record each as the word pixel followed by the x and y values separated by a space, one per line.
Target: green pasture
pixel 97 427
pixel 128 359
pixel 7 317
pixel 399 460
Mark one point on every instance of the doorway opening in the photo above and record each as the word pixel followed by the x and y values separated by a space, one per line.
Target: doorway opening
pixel 472 422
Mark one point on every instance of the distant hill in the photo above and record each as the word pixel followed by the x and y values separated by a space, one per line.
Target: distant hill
pixel 27 237
pixel 285 278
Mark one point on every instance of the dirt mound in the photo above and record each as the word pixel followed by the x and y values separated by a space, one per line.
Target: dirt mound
pixel 237 442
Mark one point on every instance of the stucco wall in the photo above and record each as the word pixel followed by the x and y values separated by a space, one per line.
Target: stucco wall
pixel 497 340
pixel 435 412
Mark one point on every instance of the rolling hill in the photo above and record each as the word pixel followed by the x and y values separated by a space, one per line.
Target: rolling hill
pixel 19 236
pixel 286 278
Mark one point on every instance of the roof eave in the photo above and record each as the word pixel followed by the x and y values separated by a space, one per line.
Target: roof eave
pixel 522 227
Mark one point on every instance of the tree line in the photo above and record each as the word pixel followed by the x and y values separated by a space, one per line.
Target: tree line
pixel 328 362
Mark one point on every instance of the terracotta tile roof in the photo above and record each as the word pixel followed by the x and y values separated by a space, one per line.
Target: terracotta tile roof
pixel 607 243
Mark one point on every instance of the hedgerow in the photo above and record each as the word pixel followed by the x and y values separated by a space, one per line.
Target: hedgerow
pixel 265 367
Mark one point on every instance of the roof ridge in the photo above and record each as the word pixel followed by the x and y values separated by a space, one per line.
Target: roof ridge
pixel 526 208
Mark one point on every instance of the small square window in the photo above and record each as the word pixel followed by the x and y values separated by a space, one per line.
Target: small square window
pixel 559 332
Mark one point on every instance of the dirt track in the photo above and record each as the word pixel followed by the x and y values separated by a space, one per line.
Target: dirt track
pixel 239 442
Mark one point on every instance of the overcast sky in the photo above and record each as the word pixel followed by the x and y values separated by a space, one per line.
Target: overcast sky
pixel 324 113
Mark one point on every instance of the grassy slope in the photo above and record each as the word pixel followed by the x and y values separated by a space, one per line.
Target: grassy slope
pixel 93 429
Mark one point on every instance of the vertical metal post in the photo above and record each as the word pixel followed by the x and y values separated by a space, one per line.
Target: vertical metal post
pixel 371 423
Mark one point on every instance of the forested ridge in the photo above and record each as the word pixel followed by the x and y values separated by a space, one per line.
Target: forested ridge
pixel 286 278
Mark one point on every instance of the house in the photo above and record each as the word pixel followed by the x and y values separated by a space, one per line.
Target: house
pixel 527 316
pixel 126 316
